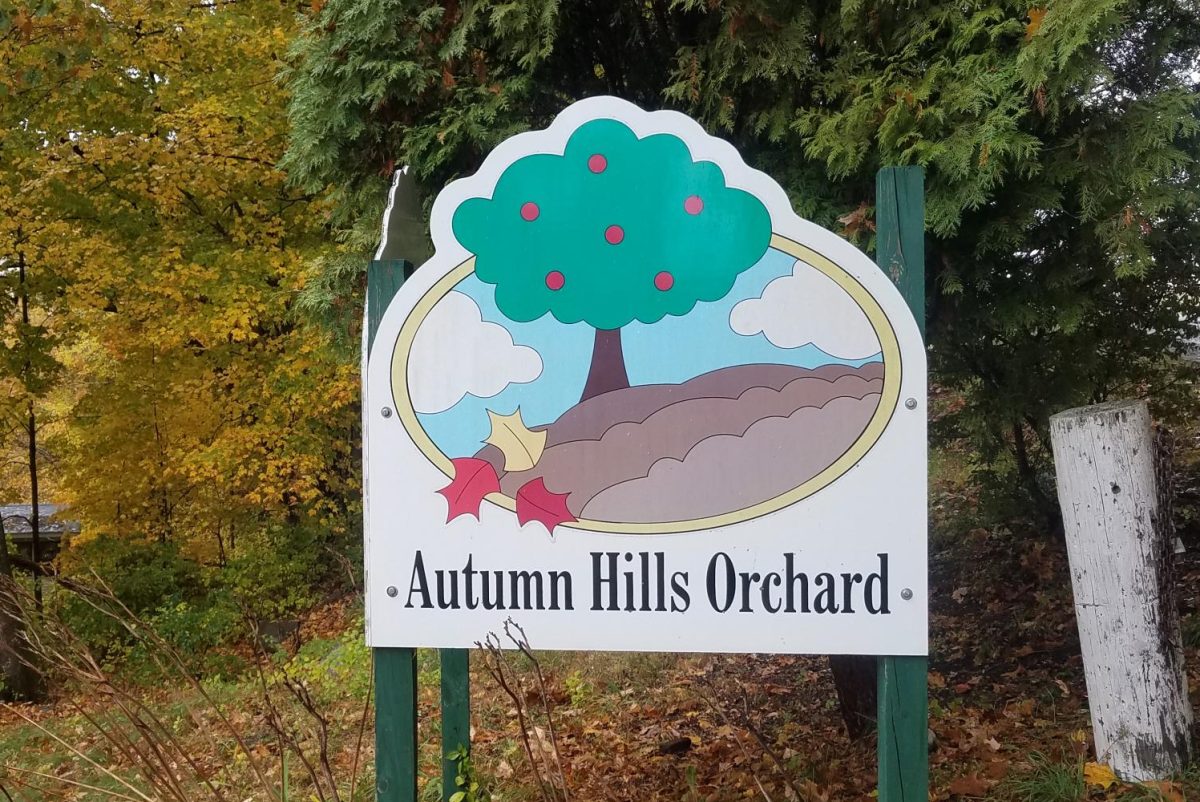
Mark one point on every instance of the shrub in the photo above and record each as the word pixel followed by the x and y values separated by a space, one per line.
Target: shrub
pixel 145 576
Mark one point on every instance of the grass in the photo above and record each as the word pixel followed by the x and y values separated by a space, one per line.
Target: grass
pixel 1047 781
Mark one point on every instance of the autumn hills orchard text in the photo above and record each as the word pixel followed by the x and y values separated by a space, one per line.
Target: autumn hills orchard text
pixel 641 582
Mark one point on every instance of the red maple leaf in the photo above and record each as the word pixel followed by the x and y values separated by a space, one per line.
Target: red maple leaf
pixel 536 503
pixel 473 479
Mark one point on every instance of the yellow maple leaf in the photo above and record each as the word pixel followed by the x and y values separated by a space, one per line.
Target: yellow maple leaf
pixel 522 447
pixel 1100 775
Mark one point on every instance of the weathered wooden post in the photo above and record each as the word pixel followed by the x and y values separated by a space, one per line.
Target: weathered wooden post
pixel 903 696
pixel 1121 555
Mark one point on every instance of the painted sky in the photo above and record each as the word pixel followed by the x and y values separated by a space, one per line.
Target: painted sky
pixel 671 351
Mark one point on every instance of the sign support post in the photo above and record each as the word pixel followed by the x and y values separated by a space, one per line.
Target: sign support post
pixel 456 713
pixel 395 668
pixel 903 681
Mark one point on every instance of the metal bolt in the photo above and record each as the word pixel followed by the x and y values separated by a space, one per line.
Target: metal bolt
pixel 910 403
pixel 905 594
pixel 391 591
pixel 386 412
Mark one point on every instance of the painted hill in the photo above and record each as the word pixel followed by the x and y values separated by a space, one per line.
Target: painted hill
pixel 717 443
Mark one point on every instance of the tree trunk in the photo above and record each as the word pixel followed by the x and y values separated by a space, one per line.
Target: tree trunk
pixel 21 681
pixel 608 365
pixel 856 680
pixel 1121 555
pixel 35 520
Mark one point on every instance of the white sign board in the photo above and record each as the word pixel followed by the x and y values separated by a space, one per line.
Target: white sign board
pixel 633 402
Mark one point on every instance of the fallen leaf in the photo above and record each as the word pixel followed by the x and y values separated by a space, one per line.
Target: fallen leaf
pixel 473 479
pixel 1169 791
pixel 970 785
pixel 522 447
pixel 536 503
pixel 857 220
pixel 1099 775
pixel 1036 15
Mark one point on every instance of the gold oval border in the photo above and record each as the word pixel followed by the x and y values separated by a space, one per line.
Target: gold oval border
pixel 892 371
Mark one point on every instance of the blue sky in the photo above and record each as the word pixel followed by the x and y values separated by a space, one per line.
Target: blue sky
pixel 671 351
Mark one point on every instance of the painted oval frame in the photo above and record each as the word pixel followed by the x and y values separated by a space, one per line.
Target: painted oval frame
pixel 889 398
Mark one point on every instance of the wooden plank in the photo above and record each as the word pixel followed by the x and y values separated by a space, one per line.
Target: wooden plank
pixel 903 681
pixel 900 233
pixel 395 725
pixel 395 669
pixel 456 713
pixel 1121 554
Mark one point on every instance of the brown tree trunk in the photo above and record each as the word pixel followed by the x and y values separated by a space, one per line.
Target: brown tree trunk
pixel 35 520
pixel 856 678
pixel 31 430
pixel 21 681
pixel 608 365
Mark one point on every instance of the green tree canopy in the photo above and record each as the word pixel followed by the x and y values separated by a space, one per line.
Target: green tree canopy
pixel 614 230
pixel 1059 142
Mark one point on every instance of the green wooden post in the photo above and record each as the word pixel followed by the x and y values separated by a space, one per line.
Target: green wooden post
pixel 395 669
pixel 456 713
pixel 903 681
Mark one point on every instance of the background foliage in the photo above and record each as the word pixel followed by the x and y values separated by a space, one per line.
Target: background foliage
pixel 139 186
pixel 1059 141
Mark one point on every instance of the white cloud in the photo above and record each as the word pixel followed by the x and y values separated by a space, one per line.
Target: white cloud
pixel 455 353
pixel 807 307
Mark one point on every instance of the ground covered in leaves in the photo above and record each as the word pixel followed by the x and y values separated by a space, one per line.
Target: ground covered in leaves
pixel 1008 706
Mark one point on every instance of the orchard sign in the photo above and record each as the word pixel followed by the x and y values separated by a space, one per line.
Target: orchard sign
pixel 634 402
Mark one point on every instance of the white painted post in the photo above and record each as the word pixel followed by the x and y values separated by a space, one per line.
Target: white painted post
pixel 1121 560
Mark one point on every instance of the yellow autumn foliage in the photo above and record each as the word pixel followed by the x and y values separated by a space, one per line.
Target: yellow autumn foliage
pixel 137 176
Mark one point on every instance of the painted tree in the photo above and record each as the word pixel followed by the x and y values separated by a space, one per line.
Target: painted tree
pixel 616 229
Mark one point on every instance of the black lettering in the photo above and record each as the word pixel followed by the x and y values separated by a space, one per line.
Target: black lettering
pixel 629 608
pixel 488 602
pixel 730 582
pixel 660 572
pixel 770 579
pixel 645 560
pixel 848 581
pixel 747 579
pixel 418 584
pixel 825 601
pixel 526 581
pixel 555 576
pixel 468 576
pixel 452 603
pixel 881 580
pixel 790 592
pixel 599 580
pixel 679 587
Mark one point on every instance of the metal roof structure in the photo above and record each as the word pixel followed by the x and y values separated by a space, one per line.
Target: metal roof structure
pixel 18 521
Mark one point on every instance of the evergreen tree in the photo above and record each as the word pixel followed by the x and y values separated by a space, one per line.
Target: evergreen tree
pixel 1060 145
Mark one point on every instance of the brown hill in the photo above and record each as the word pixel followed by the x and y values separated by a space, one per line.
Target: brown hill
pixel 717 443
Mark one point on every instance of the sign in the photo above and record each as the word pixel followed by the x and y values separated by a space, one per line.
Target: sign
pixel 634 402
